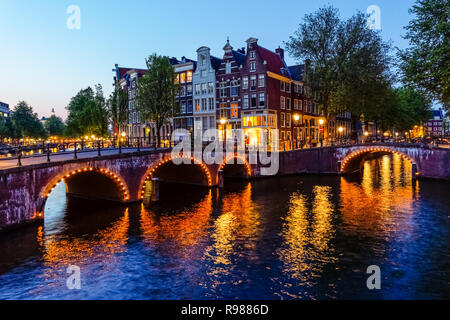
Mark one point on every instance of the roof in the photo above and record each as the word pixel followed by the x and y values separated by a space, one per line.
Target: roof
pixel 215 62
pixel 274 61
pixel 238 57
pixel 123 71
pixel 297 72
pixel 438 114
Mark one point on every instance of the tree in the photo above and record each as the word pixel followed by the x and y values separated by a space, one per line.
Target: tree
pixel 348 62
pixel 26 122
pixel 404 108
pixel 54 126
pixel 426 63
pixel 88 113
pixel 156 92
pixel 118 108
pixel 7 129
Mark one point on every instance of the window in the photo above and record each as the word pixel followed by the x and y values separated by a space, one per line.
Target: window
pixel 261 100
pixel 177 78
pixel 282 85
pixel 300 105
pixel 282 119
pixel 252 66
pixel 189 89
pixel 234 88
pixel 197 104
pixel 204 104
pixel 183 77
pixel 288 120
pixel 245 83
pixel 234 110
pixel 228 67
pixel 210 87
pixel 260 80
pixel 300 89
pixel 183 91
pixel 288 103
pixel 223 89
pixel 183 107
pixel 197 89
pixel 245 105
pixel 288 87
pixel 253 101
pixel 253 83
pixel 189 76
pixel 203 88
pixel 282 103
pixel 211 103
pixel 252 54
pixel 295 102
pixel 212 122
pixel 189 109
pixel 295 88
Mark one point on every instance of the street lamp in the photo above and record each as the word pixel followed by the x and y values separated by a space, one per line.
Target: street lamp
pixel 223 121
pixel 321 131
pixel 340 129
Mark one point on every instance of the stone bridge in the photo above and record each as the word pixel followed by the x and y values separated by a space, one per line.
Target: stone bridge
pixel 124 177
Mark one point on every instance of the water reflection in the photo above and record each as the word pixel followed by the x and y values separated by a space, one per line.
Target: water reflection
pixel 299 237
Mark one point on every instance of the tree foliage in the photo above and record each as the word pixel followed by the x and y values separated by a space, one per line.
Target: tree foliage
pixel 26 122
pixel 7 129
pixel 118 108
pixel 54 126
pixel 426 63
pixel 156 92
pixel 88 113
pixel 349 63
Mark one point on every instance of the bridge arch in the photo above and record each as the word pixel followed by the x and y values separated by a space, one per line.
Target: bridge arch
pixel 353 159
pixel 167 162
pixel 109 185
pixel 242 167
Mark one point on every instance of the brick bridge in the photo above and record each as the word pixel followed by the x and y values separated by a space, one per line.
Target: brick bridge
pixel 124 177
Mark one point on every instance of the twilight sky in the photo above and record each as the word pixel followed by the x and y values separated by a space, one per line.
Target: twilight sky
pixel 45 63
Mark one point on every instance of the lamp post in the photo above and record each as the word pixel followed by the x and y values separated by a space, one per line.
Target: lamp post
pixel 223 122
pixel 321 131
pixel 296 119
pixel 123 135
pixel 340 129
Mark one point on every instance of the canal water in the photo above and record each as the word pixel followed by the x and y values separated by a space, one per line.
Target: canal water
pixel 297 237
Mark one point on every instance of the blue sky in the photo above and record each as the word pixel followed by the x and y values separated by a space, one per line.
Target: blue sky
pixel 45 63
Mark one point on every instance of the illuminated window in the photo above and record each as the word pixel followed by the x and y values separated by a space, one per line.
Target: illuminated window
pixel 234 110
pixel 282 103
pixel 197 104
pixel 183 77
pixel 282 119
pixel 189 76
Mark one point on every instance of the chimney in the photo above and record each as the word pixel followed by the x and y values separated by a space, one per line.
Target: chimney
pixel 280 51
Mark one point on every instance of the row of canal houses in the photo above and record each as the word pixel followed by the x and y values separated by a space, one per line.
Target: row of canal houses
pixel 250 88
